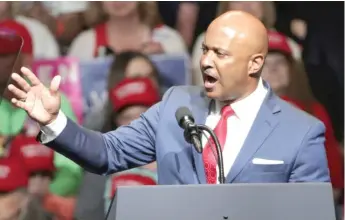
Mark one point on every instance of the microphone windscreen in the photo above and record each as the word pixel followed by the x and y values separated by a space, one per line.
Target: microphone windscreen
pixel 182 113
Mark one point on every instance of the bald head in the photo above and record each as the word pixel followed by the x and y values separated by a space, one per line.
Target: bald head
pixel 234 51
pixel 243 28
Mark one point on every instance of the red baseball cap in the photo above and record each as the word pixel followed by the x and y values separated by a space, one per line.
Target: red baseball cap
pixel 130 179
pixel 13 174
pixel 35 156
pixel 134 91
pixel 10 42
pixel 278 42
pixel 10 45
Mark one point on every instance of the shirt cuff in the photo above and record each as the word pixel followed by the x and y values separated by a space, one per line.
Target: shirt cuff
pixel 51 131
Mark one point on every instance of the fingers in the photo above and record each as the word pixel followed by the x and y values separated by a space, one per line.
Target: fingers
pixel 19 94
pixel 31 76
pixel 19 104
pixel 21 82
pixel 55 84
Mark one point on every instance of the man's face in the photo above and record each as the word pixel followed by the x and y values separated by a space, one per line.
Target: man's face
pixel 39 185
pixel 224 64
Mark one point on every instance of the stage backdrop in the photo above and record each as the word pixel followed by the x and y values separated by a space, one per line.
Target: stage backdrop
pixel 84 83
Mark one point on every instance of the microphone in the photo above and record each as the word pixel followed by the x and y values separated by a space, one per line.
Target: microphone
pixel 185 120
pixel 192 133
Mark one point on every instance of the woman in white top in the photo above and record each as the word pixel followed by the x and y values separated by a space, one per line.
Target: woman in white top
pixel 264 10
pixel 127 26
pixel 45 45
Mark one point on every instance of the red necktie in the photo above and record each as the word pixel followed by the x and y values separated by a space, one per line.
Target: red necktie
pixel 209 154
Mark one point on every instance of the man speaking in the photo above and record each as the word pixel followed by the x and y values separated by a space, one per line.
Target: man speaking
pixel 263 138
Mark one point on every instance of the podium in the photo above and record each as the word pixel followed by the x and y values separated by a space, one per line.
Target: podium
pixel 272 201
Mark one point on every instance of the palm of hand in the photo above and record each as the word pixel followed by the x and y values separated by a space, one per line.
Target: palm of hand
pixel 41 104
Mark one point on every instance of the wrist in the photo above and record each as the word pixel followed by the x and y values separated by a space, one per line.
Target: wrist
pixel 53 129
pixel 53 118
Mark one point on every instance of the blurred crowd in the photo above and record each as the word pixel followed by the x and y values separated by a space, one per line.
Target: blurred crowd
pixel 304 66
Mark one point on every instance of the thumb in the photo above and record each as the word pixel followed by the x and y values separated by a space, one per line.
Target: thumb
pixel 55 84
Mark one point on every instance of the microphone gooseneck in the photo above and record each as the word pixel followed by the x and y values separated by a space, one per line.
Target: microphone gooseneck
pixel 192 133
pixel 220 161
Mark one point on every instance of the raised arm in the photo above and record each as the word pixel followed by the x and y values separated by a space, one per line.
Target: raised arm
pixel 124 148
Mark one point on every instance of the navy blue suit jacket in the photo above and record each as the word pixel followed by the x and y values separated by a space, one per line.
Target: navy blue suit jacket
pixel 279 132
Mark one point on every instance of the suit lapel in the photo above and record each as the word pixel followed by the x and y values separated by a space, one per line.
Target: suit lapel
pixel 200 109
pixel 262 127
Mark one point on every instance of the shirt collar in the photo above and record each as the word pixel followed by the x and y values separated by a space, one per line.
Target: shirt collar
pixel 247 108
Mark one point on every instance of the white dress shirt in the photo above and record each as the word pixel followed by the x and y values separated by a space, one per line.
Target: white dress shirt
pixel 238 128
pixel 238 125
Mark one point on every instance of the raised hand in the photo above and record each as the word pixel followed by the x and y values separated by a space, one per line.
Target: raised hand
pixel 41 103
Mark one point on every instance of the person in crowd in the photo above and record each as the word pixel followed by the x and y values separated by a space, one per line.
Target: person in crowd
pixel 182 16
pixel 65 19
pixel 127 64
pixel 7 22
pixel 189 18
pixel 263 10
pixel 51 175
pixel 44 43
pixel 324 61
pixel 13 183
pixel 129 99
pixel 15 201
pixel 127 26
pixel 17 129
pixel 132 64
pixel 38 161
pixel 66 182
pixel 286 77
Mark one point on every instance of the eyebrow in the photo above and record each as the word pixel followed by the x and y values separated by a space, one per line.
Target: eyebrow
pixel 214 48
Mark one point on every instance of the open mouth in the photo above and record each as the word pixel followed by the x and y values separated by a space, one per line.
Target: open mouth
pixel 210 81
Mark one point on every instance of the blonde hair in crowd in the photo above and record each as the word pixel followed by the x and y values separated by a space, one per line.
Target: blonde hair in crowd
pixel 148 13
pixel 299 87
pixel 269 13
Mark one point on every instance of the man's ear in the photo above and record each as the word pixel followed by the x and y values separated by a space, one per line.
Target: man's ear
pixel 256 63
